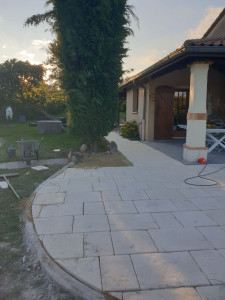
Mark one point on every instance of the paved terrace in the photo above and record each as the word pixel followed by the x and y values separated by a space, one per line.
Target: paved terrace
pixel 138 232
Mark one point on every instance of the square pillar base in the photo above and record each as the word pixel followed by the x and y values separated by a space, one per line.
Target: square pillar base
pixel 194 154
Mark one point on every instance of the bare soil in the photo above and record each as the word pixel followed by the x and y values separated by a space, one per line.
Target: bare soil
pixel 104 159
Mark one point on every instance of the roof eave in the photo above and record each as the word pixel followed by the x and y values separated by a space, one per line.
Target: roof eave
pixel 182 53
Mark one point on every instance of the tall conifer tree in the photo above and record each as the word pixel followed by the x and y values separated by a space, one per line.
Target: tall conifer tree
pixel 89 47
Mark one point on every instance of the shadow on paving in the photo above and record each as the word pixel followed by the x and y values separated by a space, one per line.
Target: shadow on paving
pixel 174 149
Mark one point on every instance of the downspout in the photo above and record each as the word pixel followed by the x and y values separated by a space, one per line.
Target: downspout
pixel 143 112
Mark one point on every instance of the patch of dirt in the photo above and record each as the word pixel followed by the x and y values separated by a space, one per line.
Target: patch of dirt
pixel 104 159
pixel 29 282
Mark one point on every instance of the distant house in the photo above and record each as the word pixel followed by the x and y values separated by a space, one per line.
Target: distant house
pixel 185 87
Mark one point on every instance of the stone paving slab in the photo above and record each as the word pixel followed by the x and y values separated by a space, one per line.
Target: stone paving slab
pixel 78 186
pixel 212 263
pixel 108 186
pixel 130 242
pixel 218 216
pixel 98 244
pixel 129 194
pixel 184 204
pixel 192 193
pixel 64 245
pixel 90 223
pixel 166 220
pixel 138 185
pixel 119 207
pixel 49 198
pixel 118 273
pixel 94 208
pixel 212 292
pixel 165 294
pixel 216 192
pixel 215 235
pixel 181 239
pixel 144 206
pixel 160 270
pixel 54 225
pixel 82 196
pixel 222 252
pixel 36 210
pixel 131 222
pixel 193 218
pixel 208 203
pixel 111 196
pixel 138 232
pixel 164 194
pixel 58 210
pixel 49 189
pixel 86 269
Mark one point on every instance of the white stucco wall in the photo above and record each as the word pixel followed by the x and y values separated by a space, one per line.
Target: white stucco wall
pixel 134 116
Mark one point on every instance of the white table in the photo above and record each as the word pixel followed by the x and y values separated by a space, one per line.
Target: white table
pixel 214 136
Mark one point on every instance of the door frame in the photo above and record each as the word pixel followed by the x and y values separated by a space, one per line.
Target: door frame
pixel 170 90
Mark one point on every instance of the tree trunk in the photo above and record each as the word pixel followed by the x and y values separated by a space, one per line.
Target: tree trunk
pixel 95 145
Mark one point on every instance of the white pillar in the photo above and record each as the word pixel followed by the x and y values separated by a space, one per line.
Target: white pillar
pixel 197 115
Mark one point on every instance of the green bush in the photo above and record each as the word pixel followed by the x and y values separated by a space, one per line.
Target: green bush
pixel 129 130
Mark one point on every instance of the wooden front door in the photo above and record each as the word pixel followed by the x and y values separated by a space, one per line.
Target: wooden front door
pixel 164 102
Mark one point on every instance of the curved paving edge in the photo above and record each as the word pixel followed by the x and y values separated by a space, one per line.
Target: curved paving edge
pixel 157 190
pixel 78 289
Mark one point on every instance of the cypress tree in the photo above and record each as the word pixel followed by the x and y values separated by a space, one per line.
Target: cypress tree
pixel 89 47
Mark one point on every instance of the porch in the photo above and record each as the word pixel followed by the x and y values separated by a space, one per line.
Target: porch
pixel 174 149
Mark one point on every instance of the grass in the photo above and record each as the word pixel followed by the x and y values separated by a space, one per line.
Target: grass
pixel 17 131
pixel 12 248
pixel 11 207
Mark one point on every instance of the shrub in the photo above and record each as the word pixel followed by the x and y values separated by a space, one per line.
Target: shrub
pixel 129 130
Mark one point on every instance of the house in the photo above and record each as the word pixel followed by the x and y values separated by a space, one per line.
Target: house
pixel 185 87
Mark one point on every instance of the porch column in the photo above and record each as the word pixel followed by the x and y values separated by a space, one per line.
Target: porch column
pixel 197 115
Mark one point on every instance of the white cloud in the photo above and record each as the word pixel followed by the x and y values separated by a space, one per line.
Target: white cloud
pixel 4 47
pixel 40 42
pixel 211 14
pixel 25 53
pixel 139 63
pixel 4 56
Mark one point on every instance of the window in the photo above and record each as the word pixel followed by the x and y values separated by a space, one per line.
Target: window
pixel 135 100
pixel 181 100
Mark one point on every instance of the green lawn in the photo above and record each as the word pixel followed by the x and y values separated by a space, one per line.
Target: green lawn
pixel 18 131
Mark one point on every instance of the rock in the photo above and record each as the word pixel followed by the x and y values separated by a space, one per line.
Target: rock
pixel 113 147
pixel 3 185
pixel 83 148
pixel 24 259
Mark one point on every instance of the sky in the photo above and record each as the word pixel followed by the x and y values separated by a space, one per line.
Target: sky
pixel 164 25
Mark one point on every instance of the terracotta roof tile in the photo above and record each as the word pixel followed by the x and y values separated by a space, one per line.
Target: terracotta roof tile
pixel 218 41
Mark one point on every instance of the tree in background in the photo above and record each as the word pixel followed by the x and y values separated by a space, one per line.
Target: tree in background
pixel 89 48
pixel 47 99
pixel 22 87
pixel 14 76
